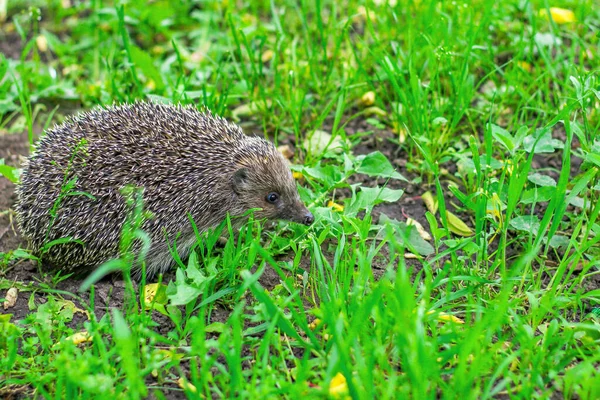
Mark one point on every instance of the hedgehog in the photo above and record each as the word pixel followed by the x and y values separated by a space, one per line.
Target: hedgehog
pixel 192 166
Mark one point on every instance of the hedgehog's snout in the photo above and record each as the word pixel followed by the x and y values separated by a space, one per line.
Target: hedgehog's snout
pixel 308 218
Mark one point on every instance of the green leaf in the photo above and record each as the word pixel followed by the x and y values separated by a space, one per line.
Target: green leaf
pixel 541 180
pixel 328 174
pixel 526 223
pixel 591 157
pixel 376 164
pixel 503 137
pixel 537 194
pixel 10 173
pixel 545 144
pixel 407 235
pixel 144 62
pixel 192 271
pixel 559 241
pixel 180 292
pixel 367 198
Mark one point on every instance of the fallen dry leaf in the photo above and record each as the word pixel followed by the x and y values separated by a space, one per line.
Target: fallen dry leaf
pixel 320 141
pixel 80 337
pixel 186 385
pixel 285 151
pixel 42 43
pixel 313 325
pixel 457 226
pixel 155 292
pixel 11 298
pixel 422 232
pixel 368 99
pixel 369 111
pixel 267 56
pixel 430 202
pixel 246 110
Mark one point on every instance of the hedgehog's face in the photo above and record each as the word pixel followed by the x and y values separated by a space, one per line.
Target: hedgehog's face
pixel 269 186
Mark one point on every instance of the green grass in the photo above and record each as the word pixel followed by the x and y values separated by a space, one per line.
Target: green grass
pixel 490 106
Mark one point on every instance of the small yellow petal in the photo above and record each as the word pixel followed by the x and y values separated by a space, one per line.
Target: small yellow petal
pixel 335 206
pixel 297 175
pixel 338 385
pixel 313 325
pixel 400 130
pixel 524 65
pixel 186 385
pixel 150 84
pixel 559 15
pixel 442 316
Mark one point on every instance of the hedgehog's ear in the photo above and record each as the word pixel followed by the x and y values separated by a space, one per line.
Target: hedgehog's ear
pixel 240 180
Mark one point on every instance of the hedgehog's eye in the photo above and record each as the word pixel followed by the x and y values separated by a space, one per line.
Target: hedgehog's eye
pixel 272 197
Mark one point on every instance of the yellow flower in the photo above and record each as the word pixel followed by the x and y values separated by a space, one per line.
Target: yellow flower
pixel 297 175
pixel 335 206
pixel 313 325
pixel 524 65
pixel 338 386
pixel 559 15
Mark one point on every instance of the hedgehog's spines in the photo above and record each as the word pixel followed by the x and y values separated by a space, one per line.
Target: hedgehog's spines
pixel 183 157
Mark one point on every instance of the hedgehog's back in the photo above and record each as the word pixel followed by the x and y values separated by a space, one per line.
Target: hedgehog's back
pixel 71 184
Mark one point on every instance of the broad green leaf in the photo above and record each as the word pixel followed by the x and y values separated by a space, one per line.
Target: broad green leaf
pixel 181 293
pixel 591 157
pixel 407 235
pixel 144 62
pixel 541 180
pixel 526 223
pixel 546 143
pixel 559 241
pixel 537 194
pixel 10 173
pixel 367 198
pixel 326 174
pixel 376 164
pixel 503 137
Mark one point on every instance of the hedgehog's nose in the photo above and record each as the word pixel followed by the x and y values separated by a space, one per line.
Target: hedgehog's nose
pixel 308 218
